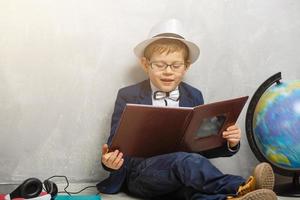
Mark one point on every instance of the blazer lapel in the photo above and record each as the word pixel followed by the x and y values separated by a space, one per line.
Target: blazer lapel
pixel 145 94
pixel 185 99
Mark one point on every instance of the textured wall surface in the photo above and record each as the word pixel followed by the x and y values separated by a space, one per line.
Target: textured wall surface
pixel 62 62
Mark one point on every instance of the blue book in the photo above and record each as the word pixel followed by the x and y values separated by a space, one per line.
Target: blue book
pixel 78 197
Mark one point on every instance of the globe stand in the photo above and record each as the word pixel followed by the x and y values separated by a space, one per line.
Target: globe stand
pixel 289 189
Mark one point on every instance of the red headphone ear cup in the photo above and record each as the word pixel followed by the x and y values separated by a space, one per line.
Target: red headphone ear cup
pixel 51 188
pixel 30 188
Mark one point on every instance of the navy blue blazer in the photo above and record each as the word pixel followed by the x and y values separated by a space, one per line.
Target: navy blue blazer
pixel 140 93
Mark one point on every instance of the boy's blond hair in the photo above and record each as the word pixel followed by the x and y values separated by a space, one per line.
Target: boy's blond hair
pixel 166 45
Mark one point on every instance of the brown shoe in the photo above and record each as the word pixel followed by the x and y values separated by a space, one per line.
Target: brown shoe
pixel 262 181
pixel 249 186
pixel 260 194
pixel 264 176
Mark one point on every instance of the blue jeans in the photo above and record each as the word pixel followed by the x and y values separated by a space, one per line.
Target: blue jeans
pixel 181 175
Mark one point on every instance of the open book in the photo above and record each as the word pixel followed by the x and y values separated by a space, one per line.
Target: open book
pixel 146 130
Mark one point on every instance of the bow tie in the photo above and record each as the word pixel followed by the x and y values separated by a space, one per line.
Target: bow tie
pixel 173 95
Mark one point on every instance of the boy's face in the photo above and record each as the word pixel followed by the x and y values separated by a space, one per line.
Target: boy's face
pixel 168 78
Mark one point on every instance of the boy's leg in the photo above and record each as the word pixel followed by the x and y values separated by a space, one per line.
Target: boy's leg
pixel 166 173
pixel 188 193
pixel 192 194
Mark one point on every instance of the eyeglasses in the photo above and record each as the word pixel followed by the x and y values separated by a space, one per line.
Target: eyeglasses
pixel 161 66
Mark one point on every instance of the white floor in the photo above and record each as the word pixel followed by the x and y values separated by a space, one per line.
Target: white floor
pixel 78 186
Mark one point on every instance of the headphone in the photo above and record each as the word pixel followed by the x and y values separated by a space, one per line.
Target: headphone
pixel 32 188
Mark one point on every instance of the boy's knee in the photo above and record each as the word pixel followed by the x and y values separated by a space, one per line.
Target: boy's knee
pixel 189 163
pixel 187 157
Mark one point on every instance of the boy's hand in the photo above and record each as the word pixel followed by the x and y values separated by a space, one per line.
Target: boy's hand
pixel 232 135
pixel 113 160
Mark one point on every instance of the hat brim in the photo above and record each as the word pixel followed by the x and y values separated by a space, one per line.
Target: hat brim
pixel 194 50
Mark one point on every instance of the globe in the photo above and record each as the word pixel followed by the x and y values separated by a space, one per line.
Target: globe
pixel 277 124
pixel 273 128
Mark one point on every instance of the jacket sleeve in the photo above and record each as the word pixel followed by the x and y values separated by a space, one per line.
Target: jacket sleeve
pixel 119 107
pixel 223 151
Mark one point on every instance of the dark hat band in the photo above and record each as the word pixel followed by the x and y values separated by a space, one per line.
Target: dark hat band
pixel 168 35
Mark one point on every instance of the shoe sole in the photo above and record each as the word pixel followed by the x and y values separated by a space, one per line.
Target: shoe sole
pixel 261 194
pixel 264 176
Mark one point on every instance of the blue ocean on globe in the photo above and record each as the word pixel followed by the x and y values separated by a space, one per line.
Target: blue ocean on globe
pixel 276 124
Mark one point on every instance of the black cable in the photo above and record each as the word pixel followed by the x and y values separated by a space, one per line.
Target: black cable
pixel 61 176
pixel 80 190
pixel 67 181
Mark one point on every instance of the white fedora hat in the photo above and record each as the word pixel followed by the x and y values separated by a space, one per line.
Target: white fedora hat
pixel 172 29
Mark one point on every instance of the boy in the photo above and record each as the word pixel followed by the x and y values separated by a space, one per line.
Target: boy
pixel 165 58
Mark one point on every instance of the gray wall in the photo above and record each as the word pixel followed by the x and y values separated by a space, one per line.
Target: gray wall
pixel 62 62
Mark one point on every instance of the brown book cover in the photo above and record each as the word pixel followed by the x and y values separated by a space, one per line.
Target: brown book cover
pixel 146 130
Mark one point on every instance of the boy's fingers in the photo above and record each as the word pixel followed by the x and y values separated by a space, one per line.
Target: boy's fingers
pixel 117 160
pixel 104 149
pixel 233 132
pixel 233 127
pixel 232 135
pixel 106 157
pixel 120 163
pixel 235 140
pixel 113 156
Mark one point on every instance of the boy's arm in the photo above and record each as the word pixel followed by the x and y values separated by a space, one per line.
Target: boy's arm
pixel 118 109
pixel 223 151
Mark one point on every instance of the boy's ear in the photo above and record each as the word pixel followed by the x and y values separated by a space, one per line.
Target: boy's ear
pixel 144 64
